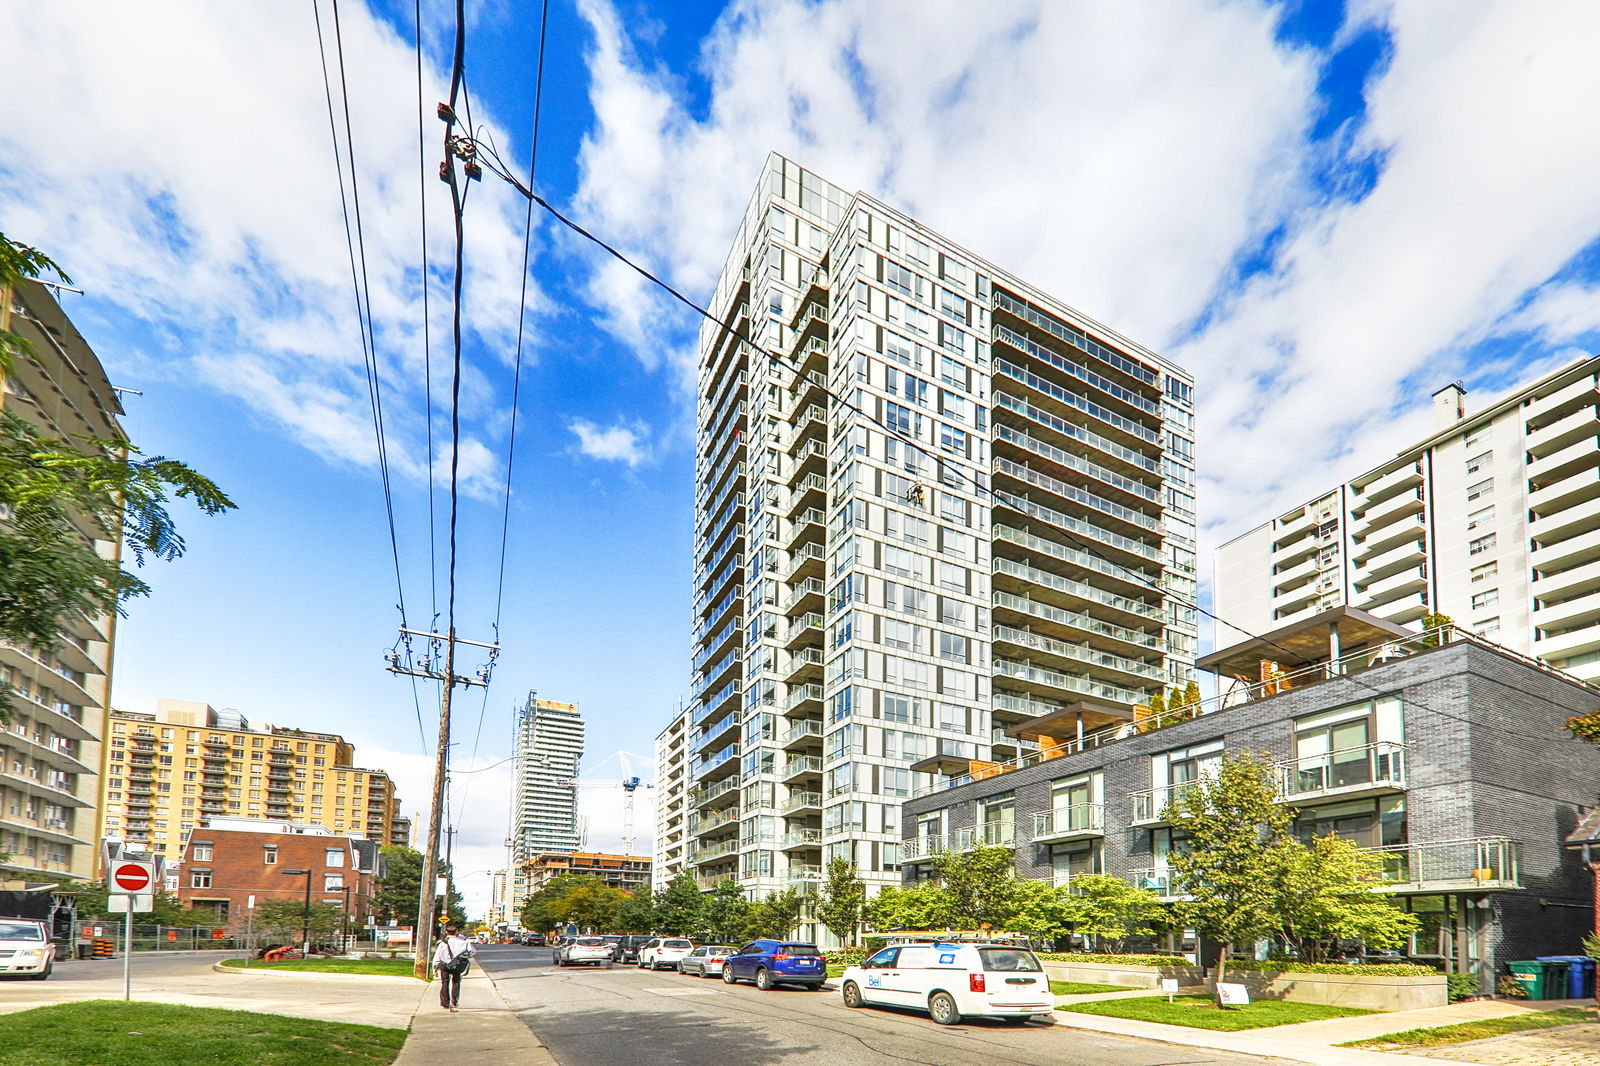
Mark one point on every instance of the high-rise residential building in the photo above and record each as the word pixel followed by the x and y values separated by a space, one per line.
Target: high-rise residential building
pixel 933 503
pixel 50 746
pixel 1493 520
pixel 168 773
pixel 549 746
pixel 672 800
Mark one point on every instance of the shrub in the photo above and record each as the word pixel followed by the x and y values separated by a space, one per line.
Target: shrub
pixel 1512 988
pixel 1377 969
pixel 845 956
pixel 1120 960
pixel 1461 985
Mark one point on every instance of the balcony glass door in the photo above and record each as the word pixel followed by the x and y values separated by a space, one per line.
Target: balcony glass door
pixel 997 816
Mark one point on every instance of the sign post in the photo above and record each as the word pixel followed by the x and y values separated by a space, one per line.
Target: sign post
pixel 130 880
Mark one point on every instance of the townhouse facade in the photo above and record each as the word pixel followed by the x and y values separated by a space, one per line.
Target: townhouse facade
pixel 1443 753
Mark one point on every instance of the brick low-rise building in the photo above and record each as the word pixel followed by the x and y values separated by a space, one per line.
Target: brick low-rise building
pixel 626 872
pixel 1444 754
pixel 230 860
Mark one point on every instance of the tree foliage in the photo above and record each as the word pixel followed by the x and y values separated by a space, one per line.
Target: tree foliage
pixel 727 912
pixel 1110 910
pixel 1325 893
pixel 980 884
pixel 925 905
pixel 589 904
pixel 166 909
pixel 282 919
pixel 50 573
pixel 399 894
pixel 637 913
pixel 844 899
pixel 680 907
pixel 774 915
pixel 1235 828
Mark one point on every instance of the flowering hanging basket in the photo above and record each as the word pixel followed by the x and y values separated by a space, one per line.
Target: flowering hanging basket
pixel 1586 726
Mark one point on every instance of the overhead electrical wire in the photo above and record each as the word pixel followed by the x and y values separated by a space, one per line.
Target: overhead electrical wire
pixel 498 166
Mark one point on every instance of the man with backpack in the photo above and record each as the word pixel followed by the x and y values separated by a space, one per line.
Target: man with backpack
pixel 450 961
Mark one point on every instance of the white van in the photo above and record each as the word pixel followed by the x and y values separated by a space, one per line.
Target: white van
pixel 952 981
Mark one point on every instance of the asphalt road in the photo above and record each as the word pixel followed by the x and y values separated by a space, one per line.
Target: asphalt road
pixel 631 1017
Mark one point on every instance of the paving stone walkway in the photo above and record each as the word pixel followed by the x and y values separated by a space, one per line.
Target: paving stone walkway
pixel 1570 1045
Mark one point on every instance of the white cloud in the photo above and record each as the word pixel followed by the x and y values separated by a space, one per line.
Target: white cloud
pixel 619 443
pixel 177 162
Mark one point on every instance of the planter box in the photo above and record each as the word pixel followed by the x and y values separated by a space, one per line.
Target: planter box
pixel 1380 992
pixel 1112 973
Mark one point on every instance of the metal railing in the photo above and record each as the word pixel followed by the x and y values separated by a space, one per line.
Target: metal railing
pixel 1079 818
pixel 1347 769
pixel 1483 862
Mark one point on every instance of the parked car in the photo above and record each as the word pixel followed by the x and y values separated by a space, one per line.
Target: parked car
pixel 628 948
pixel 25 948
pixel 706 959
pixel 770 963
pixel 952 981
pixel 534 940
pixel 583 951
pixel 663 953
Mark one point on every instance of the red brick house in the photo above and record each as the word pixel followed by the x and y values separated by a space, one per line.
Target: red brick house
pixel 229 860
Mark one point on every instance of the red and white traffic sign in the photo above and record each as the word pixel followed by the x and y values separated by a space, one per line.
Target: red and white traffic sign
pixel 132 877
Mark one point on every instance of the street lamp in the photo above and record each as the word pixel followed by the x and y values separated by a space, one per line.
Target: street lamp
pixel 305 915
pixel 344 919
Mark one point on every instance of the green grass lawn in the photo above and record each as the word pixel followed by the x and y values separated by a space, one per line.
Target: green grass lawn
pixel 1200 1012
pixel 99 1032
pixel 836 970
pixel 371 967
pixel 1478 1030
pixel 1083 988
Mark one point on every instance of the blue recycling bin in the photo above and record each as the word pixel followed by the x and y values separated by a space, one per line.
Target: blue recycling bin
pixel 1580 974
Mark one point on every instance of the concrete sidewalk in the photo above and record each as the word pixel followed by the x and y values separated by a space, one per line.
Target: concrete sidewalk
pixel 485 1031
pixel 1313 1042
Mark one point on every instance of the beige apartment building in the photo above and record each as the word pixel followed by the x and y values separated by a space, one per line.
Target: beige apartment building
pixel 50 747
pixel 1493 520
pixel 166 773
pixel 670 857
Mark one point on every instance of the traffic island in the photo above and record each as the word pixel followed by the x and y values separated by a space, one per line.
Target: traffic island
pixel 334 966
pixel 95 1032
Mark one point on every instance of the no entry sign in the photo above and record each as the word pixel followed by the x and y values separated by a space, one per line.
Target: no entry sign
pixel 132 877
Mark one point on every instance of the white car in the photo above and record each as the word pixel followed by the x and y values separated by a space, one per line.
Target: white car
pixel 664 953
pixel 584 950
pixel 952 981
pixel 25 948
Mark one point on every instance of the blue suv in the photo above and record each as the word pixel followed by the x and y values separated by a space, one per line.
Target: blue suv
pixel 770 963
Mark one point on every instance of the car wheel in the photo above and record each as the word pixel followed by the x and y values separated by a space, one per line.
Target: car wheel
pixel 852 994
pixel 942 1005
pixel 764 980
pixel 727 975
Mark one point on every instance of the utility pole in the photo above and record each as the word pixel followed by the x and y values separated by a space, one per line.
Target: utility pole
pixel 448 680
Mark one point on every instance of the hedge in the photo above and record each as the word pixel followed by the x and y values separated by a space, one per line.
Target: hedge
pixel 1116 960
pixel 1377 969
pixel 845 956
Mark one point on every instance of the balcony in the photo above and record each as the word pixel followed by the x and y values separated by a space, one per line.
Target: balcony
pixel 802 662
pixel 1569 489
pixel 1381 514
pixel 922 849
pixel 1565 554
pixel 802 694
pixel 1403 610
pixel 985 834
pixel 1405 556
pixel 1075 822
pixel 801 838
pixel 1367 770
pixel 1157 879
pixel 801 735
pixel 1382 487
pixel 1479 864
pixel 1554 436
pixel 805 766
pixel 1295 575
pixel 805 873
pixel 716 793
pixel 1389 588
pixel 1148 807
pixel 804 595
pixel 1567 584
pixel 802 801
pixel 698 856
pixel 1570 614
pixel 1565 645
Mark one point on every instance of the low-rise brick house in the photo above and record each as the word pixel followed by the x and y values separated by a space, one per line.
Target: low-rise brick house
pixel 227 861
pixel 1445 754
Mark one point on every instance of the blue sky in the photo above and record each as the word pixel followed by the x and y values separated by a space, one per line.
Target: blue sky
pixel 1325 212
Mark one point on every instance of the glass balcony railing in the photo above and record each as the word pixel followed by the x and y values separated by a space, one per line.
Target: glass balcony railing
pixel 1380 766
pixel 1481 863
pixel 986 834
pixel 1078 819
pixel 1147 805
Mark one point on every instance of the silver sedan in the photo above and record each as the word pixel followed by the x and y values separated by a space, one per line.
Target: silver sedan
pixel 706 959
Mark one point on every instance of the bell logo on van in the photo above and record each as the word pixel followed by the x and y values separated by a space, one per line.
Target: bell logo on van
pixel 947 960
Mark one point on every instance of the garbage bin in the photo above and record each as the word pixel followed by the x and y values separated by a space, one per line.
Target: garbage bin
pixel 1539 977
pixel 1580 977
pixel 85 950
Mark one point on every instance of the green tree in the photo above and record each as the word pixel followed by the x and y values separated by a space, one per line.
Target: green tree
pixel 979 884
pixel 844 899
pixel 282 919
pixel 400 892
pixel 922 906
pixel 1040 909
pixel 165 908
pixel 588 904
pixel 637 913
pixel 1110 910
pixel 727 911
pixel 1155 717
pixel 50 574
pixel 1235 828
pixel 535 911
pixel 774 915
pixel 1431 621
pixel 680 907
pixel 1326 893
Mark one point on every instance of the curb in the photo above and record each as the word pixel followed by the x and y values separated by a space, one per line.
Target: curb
pixel 245 971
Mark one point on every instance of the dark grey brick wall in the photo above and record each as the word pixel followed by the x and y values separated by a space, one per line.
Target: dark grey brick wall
pixel 1487 755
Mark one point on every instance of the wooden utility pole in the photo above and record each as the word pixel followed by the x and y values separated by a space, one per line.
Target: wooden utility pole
pixel 423 938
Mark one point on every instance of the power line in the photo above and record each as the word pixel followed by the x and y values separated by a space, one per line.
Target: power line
pixel 516 379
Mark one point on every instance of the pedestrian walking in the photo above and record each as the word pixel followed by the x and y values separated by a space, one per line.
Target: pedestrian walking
pixel 450 961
